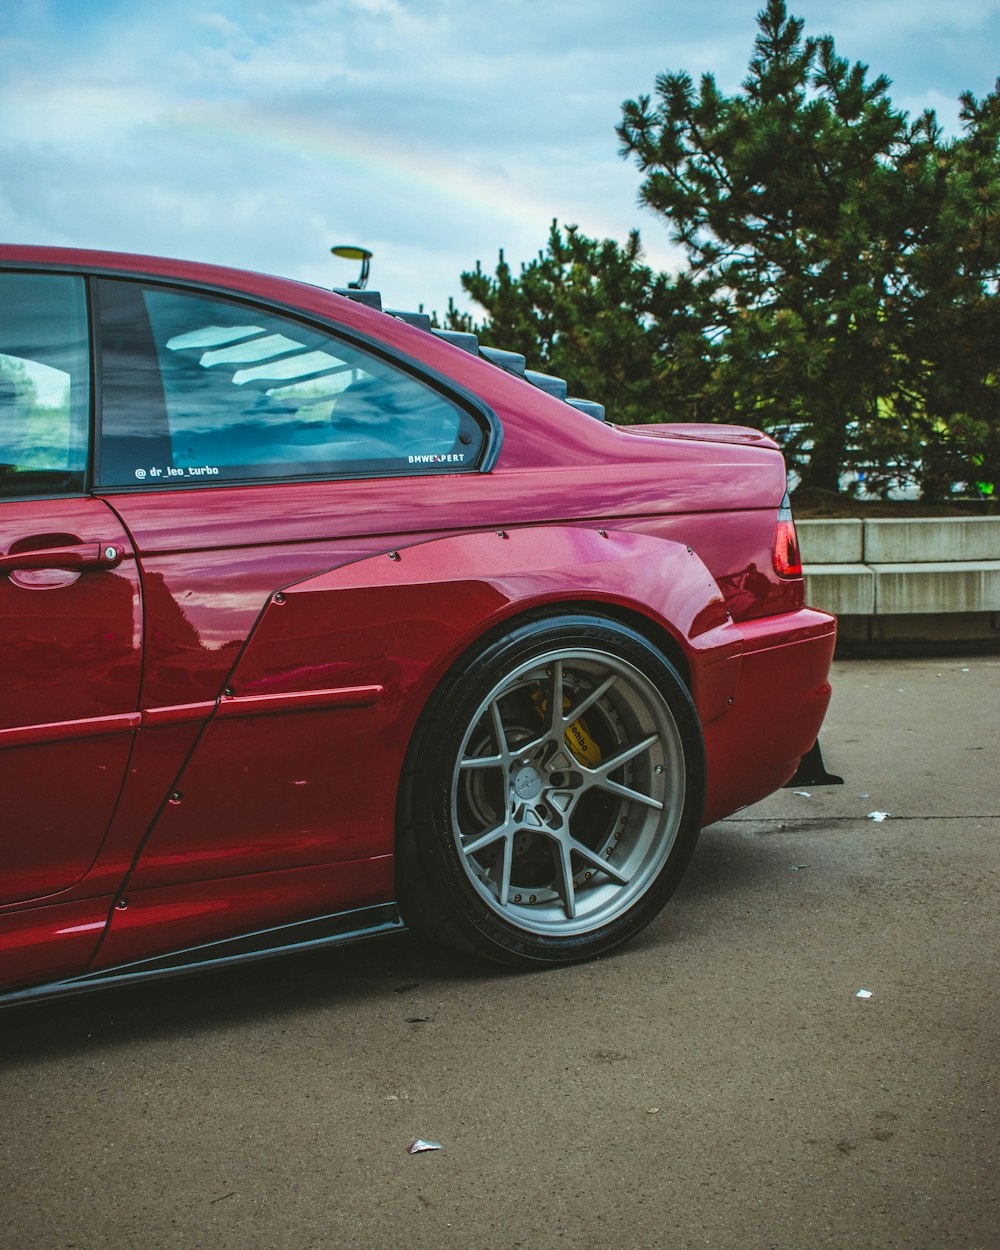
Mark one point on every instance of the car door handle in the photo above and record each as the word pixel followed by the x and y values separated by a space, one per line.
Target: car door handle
pixel 77 559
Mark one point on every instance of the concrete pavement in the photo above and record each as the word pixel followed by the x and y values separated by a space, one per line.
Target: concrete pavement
pixel 718 1083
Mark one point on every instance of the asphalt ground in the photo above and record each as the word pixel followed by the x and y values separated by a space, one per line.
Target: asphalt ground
pixel 718 1083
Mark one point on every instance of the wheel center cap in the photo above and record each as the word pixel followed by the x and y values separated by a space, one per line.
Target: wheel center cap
pixel 527 783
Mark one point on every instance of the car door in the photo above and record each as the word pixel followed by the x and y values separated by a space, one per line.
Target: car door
pixel 70 612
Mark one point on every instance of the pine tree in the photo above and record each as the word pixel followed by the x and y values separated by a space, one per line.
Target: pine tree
pixel 842 287
pixel 592 312
pixel 849 256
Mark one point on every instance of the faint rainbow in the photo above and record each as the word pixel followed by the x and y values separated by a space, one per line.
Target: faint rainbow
pixel 433 174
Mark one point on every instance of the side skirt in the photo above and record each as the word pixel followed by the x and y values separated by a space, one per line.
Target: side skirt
pixel 334 930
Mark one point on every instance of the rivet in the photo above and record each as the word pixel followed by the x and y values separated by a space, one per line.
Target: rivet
pixel 587 876
pixel 602 533
pixel 658 768
pixel 279 597
pixel 176 797
pixel 690 551
pixel 121 904
pixel 502 534
pixel 394 555
pixel 532 898
pixel 731 700
pixel 517 898
pixel 228 692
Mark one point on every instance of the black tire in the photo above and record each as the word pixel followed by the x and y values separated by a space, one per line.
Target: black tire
pixel 552 794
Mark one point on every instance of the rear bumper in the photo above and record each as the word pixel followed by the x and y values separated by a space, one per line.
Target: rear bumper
pixel 781 698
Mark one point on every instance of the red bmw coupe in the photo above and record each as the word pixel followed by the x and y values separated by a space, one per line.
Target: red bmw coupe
pixel 315 621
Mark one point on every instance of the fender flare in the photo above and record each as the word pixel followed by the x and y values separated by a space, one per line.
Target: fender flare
pixel 348 659
pixel 390 626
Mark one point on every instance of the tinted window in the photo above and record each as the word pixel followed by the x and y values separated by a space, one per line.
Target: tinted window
pixel 200 390
pixel 44 384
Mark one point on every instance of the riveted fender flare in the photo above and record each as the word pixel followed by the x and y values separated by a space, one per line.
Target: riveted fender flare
pixel 388 627
pixel 308 740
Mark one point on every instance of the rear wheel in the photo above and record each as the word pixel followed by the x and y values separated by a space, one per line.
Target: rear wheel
pixel 552 796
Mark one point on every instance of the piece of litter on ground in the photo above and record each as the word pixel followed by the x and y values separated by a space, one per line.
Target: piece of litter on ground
pixel 797 867
pixel 419 1019
pixel 652 1110
pixel 966 670
pixel 420 1146
pixel 877 816
pixel 803 794
pixel 863 994
pixel 864 796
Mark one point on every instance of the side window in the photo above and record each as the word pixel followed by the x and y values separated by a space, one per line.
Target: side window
pixel 44 384
pixel 197 390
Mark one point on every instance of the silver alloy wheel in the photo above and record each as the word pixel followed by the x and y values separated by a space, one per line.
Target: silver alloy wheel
pixel 568 791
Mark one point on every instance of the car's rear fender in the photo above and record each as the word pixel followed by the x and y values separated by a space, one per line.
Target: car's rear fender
pixel 305 747
pixel 429 602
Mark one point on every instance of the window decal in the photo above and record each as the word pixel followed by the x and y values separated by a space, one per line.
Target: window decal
pixel 171 474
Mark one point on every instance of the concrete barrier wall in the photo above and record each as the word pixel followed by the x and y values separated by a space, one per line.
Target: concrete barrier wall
pixel 887 579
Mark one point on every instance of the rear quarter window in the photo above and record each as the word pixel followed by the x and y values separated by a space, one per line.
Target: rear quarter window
pixel 198 389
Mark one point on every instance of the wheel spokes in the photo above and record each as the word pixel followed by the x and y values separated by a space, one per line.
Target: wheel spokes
pixel 626 792
pixel 564 847
pixel 556 699
pixel 499 732
pixel 599 862
pixel 475 845
pixel 539 819
pixel 564 874
pixel 479 842
pixel 503 886
pixel 482 761
pixel 600 778
pixel 589 700
pixel 623 757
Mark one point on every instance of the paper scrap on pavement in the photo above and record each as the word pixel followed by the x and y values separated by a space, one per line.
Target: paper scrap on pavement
pixel 877 816
pixel 863 994
pixel 419 1146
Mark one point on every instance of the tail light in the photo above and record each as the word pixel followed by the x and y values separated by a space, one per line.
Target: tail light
pixel 787 561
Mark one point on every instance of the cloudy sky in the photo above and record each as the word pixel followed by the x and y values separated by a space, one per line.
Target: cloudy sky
pixel 434 132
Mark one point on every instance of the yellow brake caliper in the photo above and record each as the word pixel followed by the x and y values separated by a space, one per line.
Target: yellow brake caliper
pixel 582 746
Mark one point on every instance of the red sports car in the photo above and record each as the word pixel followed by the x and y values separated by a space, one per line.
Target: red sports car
pixel 315 621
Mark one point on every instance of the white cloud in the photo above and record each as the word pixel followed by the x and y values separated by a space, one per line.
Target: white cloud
pixel 433 131
pixel 83 112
